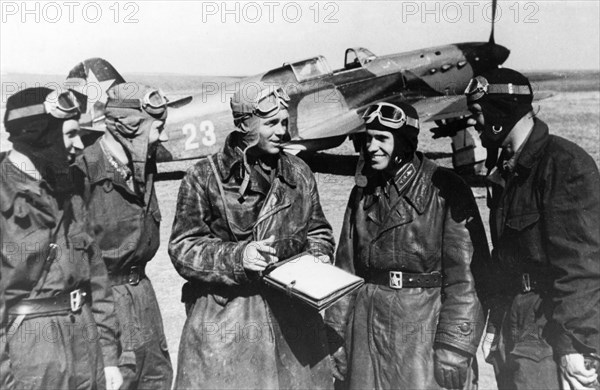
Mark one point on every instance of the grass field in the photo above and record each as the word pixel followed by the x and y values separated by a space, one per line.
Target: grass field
pixel 573 112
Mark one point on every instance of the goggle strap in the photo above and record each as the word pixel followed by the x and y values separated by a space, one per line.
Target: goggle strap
pixel 412 122
pixel 124 103
pixel 24 112
pixel 508 89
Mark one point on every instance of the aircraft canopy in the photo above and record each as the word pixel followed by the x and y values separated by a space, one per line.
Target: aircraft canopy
pixel 356 57
pixel 311 69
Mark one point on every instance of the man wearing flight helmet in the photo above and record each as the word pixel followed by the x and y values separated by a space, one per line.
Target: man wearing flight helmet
pixel 544 323
pixel 120 167
pixel 412 231
pixel 58 326
pixel 239 211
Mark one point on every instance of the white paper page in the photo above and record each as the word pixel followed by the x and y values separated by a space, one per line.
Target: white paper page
pixel 312 277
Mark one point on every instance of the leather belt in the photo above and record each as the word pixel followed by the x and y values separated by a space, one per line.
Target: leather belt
pixel 398 279
pixel 190 292
pixel 65 302
pixel 131 275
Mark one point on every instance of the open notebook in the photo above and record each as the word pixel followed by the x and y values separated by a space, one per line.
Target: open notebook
pixel 317 284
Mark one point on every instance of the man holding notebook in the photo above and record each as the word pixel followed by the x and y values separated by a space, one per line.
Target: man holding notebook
pixel 238 211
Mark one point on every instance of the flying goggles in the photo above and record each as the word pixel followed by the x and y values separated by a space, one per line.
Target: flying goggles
pixel 269 102
pixel 63 105
pixel 154 102
pixel 389 115
pixel 266 104
pixel 479 87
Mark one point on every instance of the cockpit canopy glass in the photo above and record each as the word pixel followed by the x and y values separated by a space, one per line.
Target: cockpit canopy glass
pixel 311 69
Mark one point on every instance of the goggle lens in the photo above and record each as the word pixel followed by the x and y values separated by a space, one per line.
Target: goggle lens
pixel 476 88
pixel 391 113
pixel 155 99
pixel 67 102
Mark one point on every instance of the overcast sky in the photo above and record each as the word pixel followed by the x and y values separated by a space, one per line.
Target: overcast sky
pixel 243 38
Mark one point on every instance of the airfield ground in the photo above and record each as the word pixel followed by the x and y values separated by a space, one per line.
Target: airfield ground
pixel 573 112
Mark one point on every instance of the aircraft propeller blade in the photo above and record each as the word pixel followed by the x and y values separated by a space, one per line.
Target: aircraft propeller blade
pixel 494 4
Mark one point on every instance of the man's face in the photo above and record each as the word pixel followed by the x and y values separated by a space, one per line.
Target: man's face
pixel 73 144
pixel 477 120
pixel 272 132
pixel 157 134
pixel 380 148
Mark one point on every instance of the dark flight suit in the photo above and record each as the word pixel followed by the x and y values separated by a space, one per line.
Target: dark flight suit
pixel 545 227
pixel 128 236
pixel 54 347
pixel 423 223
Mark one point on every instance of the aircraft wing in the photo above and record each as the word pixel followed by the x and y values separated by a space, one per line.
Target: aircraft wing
pixel 441 107
pixel 445 107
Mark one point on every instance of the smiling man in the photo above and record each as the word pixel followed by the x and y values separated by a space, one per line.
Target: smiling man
pixel 120 167
pixel 413 232
pixel 239 211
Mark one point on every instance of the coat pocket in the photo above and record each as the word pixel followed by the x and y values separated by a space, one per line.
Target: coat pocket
pixel 523 237
pixel 522 221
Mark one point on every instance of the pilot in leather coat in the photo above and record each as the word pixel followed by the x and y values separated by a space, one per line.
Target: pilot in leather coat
pixel 421 220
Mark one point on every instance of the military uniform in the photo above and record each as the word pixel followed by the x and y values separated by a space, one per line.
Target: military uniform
pixel 63 341
pixel 423 225
pixel 240 333
pixel 545 226
pixel 128 238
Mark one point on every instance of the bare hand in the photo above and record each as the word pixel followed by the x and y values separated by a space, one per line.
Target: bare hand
pixel 573 374
pixel 259 254
pixel 324 259
pixel 113 377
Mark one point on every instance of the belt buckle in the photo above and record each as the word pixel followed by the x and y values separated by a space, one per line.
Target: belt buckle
pixel 134 275
pixel 77 299
pixel 396 279
pixel 526 283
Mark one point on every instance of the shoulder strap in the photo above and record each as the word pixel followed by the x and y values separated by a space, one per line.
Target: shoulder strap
pixel 222 192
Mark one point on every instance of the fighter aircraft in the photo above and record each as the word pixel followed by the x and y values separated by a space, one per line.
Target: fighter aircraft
pixel 326 105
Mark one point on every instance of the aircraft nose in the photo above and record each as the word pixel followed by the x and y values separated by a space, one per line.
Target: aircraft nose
pixel 499 53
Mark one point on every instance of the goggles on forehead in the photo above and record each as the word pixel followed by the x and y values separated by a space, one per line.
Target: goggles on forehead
pixel 63 105
pixel 479 87
pixel 269 102
pixel 389 115
pixel 154 102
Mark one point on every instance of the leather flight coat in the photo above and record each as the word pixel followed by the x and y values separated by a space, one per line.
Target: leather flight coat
pixel 432 225
pixel 239 333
